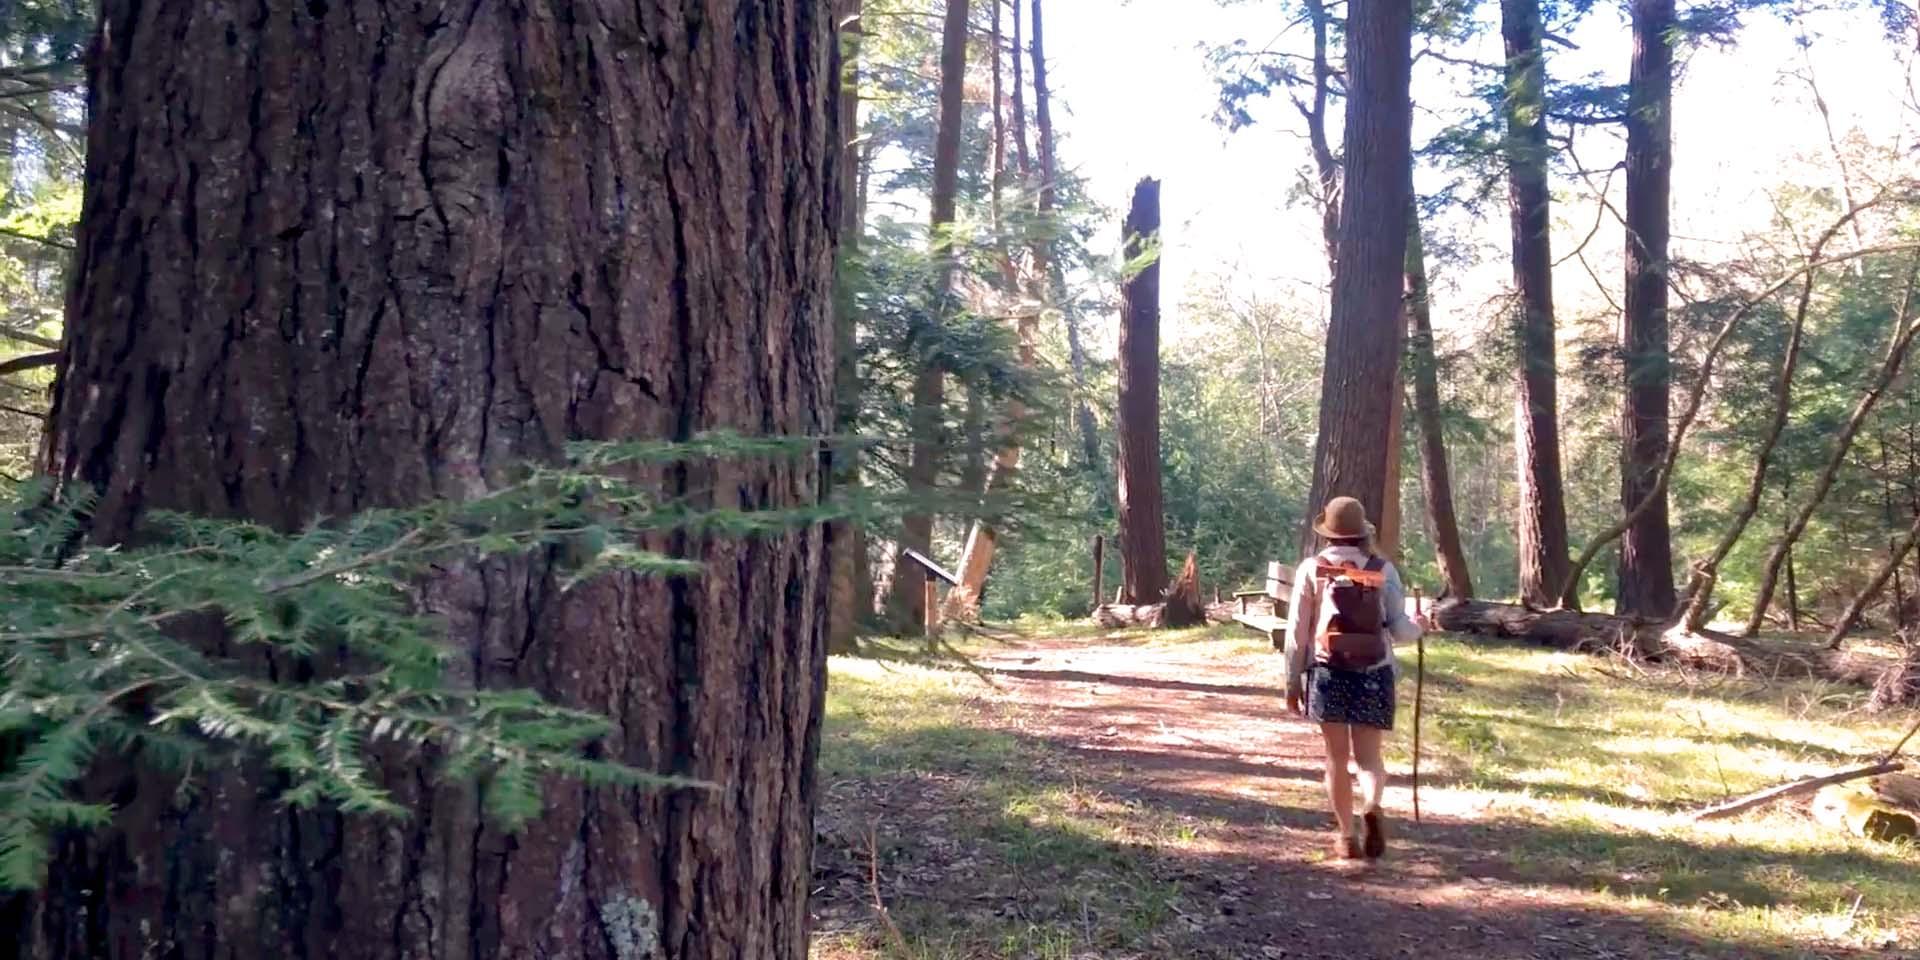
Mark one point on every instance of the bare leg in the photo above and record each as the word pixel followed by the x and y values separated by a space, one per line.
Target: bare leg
pixel 1339 784
pixel 1373 767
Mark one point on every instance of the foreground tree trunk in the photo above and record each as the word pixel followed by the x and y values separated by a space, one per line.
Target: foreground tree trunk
pixel 1366 329
pixel 337 256
pixel 1646 549
pixel 1906 330
pixel 1541 526
pixel 1435 474
pixel 850 596
pixel 907 603
pixel 1143 542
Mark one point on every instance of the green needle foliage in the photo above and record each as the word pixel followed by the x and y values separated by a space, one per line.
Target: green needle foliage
pixel 105 652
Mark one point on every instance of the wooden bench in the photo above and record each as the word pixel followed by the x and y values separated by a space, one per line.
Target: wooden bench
pixel 1265 610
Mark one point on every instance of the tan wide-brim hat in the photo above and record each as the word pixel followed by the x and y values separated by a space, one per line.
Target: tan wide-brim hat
pixel 1344 519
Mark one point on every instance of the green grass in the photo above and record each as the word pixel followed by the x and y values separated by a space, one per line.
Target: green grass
pixel 1592 768
pixel 1576 773
pixel 1068 858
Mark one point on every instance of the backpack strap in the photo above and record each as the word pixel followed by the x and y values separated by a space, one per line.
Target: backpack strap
pixel 1376 563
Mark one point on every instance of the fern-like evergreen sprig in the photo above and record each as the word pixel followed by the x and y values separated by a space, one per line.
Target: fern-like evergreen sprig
pixel 104 649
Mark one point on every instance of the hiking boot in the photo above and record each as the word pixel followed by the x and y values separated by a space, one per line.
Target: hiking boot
pixel 1376 833
pixel 1345 847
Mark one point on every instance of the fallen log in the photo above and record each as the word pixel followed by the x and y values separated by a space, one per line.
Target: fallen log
pixel 1796 788
pixel 1589 632
pixel 1561 629
pixel 1116 615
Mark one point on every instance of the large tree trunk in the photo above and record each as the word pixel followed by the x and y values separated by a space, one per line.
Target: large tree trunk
pixel 1906 330
pixel 907 603
pixel 1436 475
pixel 1707 572
pixel 338 256
pixel 850 596
pixel 1366 329
pixel 1646 548
pixel 1143 541
pixel 1540 531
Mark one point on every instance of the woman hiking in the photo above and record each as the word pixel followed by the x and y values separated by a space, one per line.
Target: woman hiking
pixel 1348 607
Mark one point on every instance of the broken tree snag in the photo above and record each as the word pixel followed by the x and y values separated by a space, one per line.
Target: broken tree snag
pixel 1574 630
pixel 1183 607
pixel 1797 788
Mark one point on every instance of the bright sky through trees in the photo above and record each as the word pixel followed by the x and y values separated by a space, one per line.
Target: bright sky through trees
pixel 1138 99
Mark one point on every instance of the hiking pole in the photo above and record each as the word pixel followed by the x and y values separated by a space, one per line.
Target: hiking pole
pixel 1419 687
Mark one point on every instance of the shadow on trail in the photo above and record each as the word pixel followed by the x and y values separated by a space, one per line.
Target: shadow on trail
pixel 981 826
pixel 1152 683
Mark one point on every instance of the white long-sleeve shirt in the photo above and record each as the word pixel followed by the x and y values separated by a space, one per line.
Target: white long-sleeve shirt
pixel 1306 619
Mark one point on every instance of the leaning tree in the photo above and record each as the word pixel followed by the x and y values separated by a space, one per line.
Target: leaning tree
pixel 352 254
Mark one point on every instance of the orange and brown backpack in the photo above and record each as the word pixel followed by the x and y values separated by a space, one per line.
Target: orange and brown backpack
pixel 1355 636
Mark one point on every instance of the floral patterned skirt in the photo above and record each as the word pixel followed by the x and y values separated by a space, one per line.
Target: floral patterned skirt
pixel 1362 698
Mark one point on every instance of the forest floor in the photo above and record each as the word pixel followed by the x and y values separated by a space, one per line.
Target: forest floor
pixel 1064 794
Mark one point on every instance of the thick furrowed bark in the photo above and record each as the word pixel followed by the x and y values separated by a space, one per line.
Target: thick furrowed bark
pixel 345 255
pixel 1366 329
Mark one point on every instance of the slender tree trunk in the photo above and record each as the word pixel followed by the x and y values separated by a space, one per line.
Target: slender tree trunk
pixel 1143 542
pixel 1387 538
pixel 1326 167
pixel 1793 597
pixel 1436 477
pixel 1365 331
pixel 1046 269
pixel 1906 329
pixel 1541 529
pixel 1707 572
pixel 341 256
pixel 1646 548
pixel 1022 160
pixel 1887 517
pixel 908 600
pixel 851 594
pixel 983 538
pixel 1844 625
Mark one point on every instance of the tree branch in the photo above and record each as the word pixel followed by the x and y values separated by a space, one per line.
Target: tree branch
pixel 49 241
pixel 1570 589
pixel 32 361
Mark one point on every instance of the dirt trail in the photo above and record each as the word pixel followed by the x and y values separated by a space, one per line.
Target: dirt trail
pixel 1186 732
